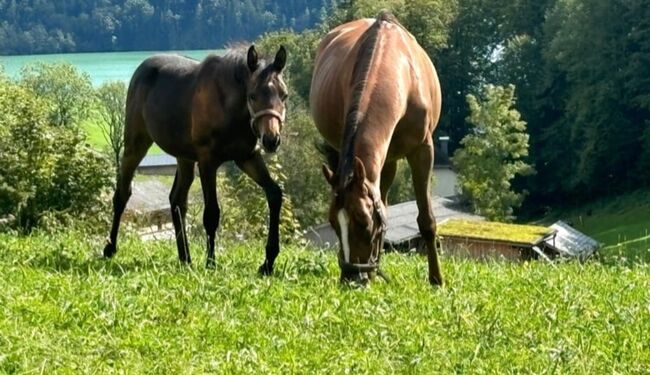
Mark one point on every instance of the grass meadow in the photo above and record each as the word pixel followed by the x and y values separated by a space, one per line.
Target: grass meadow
pixel 64 310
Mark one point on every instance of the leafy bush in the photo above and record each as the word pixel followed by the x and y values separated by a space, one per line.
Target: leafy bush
pixel 68 91
pixel 45 170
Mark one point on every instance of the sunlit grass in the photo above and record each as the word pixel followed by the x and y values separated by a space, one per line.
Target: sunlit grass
pixel 64 310
pixel 96 139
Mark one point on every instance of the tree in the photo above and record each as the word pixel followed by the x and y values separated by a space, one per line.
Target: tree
pixel 68 91
pixel 491 156
pixel 45 170
pixel 112 99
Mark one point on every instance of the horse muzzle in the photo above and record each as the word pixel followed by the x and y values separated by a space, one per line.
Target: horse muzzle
pixel 271 142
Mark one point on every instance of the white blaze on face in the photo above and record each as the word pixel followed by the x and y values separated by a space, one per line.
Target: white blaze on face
pixel 343 223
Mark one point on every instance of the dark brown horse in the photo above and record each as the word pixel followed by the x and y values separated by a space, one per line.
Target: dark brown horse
pixel 375 98
pixel 207 112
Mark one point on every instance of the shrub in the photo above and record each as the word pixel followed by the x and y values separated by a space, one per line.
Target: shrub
pixel 45 170
pixel 68 91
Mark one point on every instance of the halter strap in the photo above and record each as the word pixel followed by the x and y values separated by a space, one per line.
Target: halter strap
pixel 267 112
pixel 373 262
pixel 264 112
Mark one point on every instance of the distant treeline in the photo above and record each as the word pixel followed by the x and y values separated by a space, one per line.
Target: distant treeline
pixel 45 26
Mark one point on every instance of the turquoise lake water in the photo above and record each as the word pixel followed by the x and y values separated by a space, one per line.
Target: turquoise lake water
pixel 101 66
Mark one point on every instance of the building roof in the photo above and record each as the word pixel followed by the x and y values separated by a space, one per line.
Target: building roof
pixel 160 160
pixel 402 222
pixel 494 231
pixel 570 242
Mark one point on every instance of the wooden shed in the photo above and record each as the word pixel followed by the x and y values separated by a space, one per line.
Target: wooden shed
pixel 492 240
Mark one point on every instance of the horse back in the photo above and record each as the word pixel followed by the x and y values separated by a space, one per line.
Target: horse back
pixel 159 99
pixel 401 76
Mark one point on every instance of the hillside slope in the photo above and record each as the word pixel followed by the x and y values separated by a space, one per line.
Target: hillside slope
pixel 63 310
pixel 621 224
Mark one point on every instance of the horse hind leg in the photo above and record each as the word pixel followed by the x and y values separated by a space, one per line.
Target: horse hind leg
pixel 178 203
pixel 421 163
pixel 136 144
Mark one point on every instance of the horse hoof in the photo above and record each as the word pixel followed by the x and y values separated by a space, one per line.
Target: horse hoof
pixel 435 282
pixel 109 250
pixel 210 264
pixel 265 269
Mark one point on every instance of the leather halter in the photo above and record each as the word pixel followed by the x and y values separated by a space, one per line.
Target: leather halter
pixel 372 265
pixel 265 112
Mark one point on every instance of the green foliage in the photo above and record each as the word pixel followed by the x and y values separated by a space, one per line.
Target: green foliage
pixel 144 313
pixel 402 188
pixel 118 25
pixel 301 50
pixel 304 184
pixel 597 46
pixel 45 170
pixel 112 107
pixel 68 91
pixel 491 157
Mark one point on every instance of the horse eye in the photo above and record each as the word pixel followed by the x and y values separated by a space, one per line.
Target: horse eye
pixel 252 97
pixel 284 97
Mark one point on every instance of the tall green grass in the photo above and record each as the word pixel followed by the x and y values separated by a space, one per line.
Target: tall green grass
pixel 63 310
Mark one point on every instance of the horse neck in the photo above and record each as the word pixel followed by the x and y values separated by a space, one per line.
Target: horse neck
pixel 370 144
pixel 232 77
pixel 376 103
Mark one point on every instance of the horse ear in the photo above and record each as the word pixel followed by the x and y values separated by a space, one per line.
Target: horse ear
pixel 359 170
pixel 280 59
pixel 329 175
pixel 252 59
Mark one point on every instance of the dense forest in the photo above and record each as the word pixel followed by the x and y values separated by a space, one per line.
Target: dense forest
pixel 44 26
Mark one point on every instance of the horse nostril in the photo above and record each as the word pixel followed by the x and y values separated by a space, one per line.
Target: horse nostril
pixel 271 143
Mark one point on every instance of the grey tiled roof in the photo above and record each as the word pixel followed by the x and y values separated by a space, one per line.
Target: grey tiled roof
pixel 568 241
pixel 161 160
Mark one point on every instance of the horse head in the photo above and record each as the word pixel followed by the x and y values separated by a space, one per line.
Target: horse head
pixel 266 95
pixel 358 217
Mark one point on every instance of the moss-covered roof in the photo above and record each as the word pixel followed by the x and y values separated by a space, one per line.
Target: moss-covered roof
pixel 493 231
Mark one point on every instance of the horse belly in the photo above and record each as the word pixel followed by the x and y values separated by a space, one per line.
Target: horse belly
pixel 169 129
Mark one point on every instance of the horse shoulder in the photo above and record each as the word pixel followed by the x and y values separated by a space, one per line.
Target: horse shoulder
pixel 207 114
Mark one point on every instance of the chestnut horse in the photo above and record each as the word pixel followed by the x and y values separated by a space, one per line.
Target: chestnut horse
pixel 208 112
pixel 375 98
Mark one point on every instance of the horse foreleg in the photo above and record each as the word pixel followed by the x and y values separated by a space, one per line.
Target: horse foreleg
pixel 178 203
pixel 211 212
pixel 421 163
pixel 256 169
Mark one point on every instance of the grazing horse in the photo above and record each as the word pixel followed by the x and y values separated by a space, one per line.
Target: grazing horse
pixel 375 98
pixel 208 112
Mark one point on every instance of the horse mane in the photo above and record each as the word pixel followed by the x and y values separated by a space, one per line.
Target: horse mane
pixel 355 114
pixel 234 62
